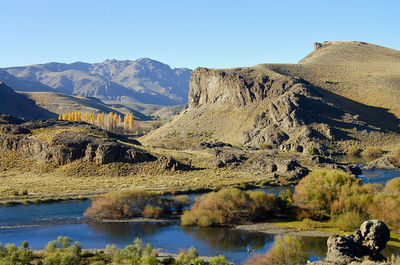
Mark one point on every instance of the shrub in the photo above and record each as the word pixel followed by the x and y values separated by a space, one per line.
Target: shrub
pixel 285 198
pixel 60 243
pixel 372 152
pixel 150 211
pixel 307 223
pixel 386 207
pixel 133 203
pixel 393 185
pixel 188 257
pixel 355 198
pixel 218 260
pixel 229 206
pixel 24 192
pixel 318 190
pixel 132 254
pixel 70 255
pixel 349 221
pixel 286 250
pixel 353 150
pixel 313 150
pixel 15 193
pixel 11 254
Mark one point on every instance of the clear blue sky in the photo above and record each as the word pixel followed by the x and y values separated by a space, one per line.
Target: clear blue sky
pixel 217 34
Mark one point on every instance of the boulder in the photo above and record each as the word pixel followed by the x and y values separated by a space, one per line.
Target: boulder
pixel 365 244
pixel 384 162
pixel 169 163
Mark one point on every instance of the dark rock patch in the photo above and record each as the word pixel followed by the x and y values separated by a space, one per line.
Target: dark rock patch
pixel 365 244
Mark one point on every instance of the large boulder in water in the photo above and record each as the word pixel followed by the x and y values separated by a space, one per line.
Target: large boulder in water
pixel 365 244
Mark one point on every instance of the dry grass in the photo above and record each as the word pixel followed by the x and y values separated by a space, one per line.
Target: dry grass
pixel 46 180
pixel 46 135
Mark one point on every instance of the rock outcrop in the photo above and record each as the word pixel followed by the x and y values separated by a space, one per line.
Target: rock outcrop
pixel 69 144
pixel 384 162
pixel 365 244
pixel 295 113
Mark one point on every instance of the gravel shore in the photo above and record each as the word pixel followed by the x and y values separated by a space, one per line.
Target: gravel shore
pixel 271 228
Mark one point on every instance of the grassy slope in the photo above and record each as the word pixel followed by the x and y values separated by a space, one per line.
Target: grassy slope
pixel 363 72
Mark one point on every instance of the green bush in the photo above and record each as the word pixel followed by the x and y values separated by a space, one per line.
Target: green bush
pixel 349 221
pixel 11 254
pixel 62 242
pixel 286 250
pixel 228 206
pixel 313 150
pixel 318 190
pixel 285 198
pixel 218 260
pixel 132 254
pixel 187 256
pixel 372 152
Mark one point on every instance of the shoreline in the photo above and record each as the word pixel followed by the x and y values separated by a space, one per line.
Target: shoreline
pixel 271 228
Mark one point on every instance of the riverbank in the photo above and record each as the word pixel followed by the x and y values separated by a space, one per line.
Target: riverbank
pixel 276 228
pixel 296 228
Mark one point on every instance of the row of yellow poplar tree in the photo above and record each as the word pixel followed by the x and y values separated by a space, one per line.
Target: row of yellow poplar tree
pixel 111 122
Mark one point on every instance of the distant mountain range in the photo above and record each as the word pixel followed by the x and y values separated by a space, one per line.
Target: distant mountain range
pixel 142 81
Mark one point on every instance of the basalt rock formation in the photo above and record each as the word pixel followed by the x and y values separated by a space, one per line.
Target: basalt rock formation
pixel 71 142
pixel 365 244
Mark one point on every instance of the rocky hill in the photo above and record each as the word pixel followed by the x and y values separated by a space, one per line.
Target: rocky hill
pixel 342 91
pixel 18 105
pixel 141 81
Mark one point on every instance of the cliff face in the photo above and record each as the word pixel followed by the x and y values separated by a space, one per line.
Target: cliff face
pixel 291 105
pixel 238 87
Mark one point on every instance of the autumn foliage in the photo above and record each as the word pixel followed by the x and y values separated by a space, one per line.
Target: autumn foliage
pixel 229 206
pixel 111 122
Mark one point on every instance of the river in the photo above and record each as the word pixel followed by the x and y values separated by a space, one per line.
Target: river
pixel 39 224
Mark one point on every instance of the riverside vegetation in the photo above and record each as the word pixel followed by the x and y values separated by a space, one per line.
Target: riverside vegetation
pixel 330 195
pixel 62 252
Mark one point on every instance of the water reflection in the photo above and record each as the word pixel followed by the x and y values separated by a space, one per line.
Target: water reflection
pixel 228 239
pixel 315 246
pixel 128 230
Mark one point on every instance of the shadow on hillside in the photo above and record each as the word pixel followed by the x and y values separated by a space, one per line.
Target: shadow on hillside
pixel 344 113
pixel 375 116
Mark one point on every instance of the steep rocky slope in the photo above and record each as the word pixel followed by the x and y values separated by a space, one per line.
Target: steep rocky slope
pixel 141 81
pixel 15 104
pixel 294 107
